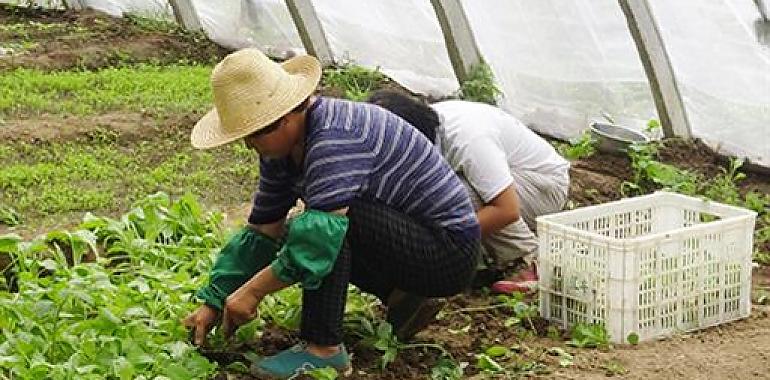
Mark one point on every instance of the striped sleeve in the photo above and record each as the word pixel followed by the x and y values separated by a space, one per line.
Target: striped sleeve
pixel 276 193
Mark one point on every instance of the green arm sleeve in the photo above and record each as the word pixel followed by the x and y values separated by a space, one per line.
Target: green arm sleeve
pixel 313 242
pixel 246 253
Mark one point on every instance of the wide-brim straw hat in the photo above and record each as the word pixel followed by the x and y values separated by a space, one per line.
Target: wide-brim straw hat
pixel 251 92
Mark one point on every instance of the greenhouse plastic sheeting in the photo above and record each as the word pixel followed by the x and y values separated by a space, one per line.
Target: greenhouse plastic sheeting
pixel 236 24
pixel 148 8
pixel 561 63
pixel 37 3
pixel 266 24
pixel 401 37
pixel 723 72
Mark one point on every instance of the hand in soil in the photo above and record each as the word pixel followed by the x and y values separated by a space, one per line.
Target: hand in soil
pixel 240 308
pixel 200 322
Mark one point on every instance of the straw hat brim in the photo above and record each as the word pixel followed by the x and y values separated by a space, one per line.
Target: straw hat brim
pixel 208 131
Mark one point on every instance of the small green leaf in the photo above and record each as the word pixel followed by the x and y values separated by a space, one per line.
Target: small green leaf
pixel 633 338
pixel 327 373
pixel 384 330
pixel 497 351
pixel 9 243
pixel 485 363
pixel 388 357
pixel 446 369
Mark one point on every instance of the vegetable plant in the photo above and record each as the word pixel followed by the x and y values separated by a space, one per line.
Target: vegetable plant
pixel 589 335
pixel 480 85
pixel 115 316
pixel 582 147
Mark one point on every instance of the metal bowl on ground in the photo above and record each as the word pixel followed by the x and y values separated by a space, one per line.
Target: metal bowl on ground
pixel 613 138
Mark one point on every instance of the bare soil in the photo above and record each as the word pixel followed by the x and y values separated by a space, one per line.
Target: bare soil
pixel 93 40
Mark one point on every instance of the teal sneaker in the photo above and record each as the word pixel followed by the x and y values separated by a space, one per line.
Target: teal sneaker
pixel 293 362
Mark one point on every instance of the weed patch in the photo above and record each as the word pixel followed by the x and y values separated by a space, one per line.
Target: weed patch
pixel 650 174
pixel 353 82
pixel 480 85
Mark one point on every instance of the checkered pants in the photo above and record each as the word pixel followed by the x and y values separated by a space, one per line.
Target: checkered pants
pixel 384 250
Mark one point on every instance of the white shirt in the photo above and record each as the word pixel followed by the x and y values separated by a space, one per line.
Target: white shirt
pixel 491 148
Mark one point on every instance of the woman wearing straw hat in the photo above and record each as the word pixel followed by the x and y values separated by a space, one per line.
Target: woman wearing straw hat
pixel 384 211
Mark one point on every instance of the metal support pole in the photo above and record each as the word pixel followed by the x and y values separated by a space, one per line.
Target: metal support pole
pixel 185 14
pixel 461 46
pixel 77 5
pixel 657 65
pixel 310 30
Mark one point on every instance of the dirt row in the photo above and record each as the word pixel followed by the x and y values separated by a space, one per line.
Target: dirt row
pixel 49 39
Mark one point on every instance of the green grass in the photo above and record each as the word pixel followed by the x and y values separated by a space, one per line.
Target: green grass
pixel 39 181
pixel 143 88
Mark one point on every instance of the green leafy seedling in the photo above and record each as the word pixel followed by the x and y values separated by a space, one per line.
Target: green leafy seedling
pixel 589 336
pixel 497 351
pixel 488 364
pixel 480 85
pixel 582 147
pixel 652 126
pixel 446 369
pixel 327 373
pixel 356 82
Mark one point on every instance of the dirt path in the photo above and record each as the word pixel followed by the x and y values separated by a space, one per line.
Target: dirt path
pixel 740 350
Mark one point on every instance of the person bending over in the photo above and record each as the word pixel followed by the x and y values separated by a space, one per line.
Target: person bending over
pixel 384 211
pixel 512 174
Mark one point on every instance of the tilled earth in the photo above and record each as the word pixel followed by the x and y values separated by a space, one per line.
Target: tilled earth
pixel 61 40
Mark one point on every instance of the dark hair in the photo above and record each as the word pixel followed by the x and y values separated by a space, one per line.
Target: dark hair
pixel 413 110
pixel 277 123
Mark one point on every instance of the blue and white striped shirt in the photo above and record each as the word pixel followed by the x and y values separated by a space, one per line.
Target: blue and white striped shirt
pixel 358 150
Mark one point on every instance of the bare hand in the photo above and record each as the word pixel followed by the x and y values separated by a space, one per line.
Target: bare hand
pixel 240 308
pixel 201 321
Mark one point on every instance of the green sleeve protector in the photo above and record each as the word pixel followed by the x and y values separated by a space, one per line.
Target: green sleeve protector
pixel 312 245
pixel 246 253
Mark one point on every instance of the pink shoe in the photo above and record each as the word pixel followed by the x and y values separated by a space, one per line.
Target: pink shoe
pixel 525 281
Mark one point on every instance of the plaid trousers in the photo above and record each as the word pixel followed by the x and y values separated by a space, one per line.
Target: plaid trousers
pixel 384 250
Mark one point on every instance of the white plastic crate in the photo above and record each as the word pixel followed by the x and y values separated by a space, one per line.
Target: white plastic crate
pixel 652 265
